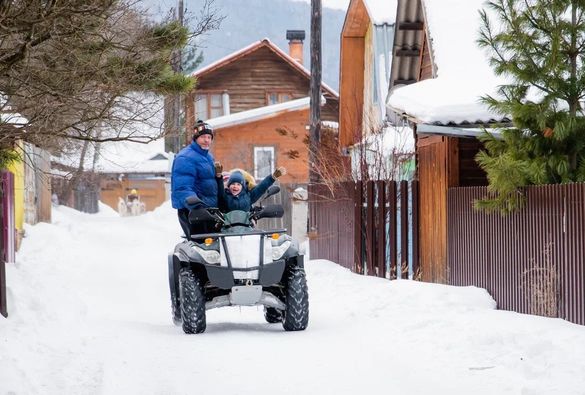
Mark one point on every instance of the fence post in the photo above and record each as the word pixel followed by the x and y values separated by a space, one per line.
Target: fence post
pixel 415 207
pixel 370 229
pixel 299 214
pixel 392 227
pixel 358 252
pixel 403 228
pixel 381 228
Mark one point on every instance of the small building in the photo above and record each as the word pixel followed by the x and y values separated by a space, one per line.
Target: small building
pixel 439 95
pixel 127 166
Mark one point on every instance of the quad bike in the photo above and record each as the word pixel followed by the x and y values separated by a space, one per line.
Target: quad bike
pixel 238 266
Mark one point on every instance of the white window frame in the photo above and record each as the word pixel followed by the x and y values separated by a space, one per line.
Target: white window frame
pixel 263 149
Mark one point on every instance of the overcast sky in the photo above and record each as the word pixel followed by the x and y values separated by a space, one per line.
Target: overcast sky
pixel 336 4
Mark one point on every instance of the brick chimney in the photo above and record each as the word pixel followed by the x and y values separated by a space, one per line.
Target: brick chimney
pixel 295 44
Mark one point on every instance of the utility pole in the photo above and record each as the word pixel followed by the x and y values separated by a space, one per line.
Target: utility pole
pixel 315 90
pixel 172 109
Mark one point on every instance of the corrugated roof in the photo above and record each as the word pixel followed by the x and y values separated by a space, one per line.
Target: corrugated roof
pixel 462 71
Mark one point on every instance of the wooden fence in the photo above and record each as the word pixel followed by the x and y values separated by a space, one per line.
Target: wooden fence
pixel 368 227
pixel 531 261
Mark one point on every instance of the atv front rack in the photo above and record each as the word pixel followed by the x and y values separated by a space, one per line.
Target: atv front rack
pixel 259 232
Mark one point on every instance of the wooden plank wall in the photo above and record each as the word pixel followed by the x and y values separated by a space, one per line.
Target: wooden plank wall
pixel 351 90
pixel 432 152
pixel 443 162
pixel 426 70
pixel 470 174
pixel 234 146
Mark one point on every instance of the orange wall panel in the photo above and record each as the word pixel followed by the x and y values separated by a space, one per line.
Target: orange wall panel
pixel 234 146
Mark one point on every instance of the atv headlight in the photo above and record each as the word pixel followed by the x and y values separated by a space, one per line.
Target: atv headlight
pixel 281 249
pixel 210 256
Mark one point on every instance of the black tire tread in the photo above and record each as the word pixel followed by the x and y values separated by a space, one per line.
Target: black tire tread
pixel 296 315
pixel 192 302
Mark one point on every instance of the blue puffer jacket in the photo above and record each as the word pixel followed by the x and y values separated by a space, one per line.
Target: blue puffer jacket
pixel 193 174
pixel 244 200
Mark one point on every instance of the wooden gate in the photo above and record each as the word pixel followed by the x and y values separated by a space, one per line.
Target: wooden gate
pixel 369 227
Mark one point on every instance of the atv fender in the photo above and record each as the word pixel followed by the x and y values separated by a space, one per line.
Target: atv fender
pixel 174 266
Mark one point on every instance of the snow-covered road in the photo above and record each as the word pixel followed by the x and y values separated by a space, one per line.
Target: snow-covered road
pixel 89 314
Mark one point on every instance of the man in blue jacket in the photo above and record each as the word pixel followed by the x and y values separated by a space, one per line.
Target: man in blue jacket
pixel 193 174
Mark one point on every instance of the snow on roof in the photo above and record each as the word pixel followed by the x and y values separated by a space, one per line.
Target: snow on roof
pixel 392 139
pixel 463 70
pixel 261 113
pixel 128 157
pixel 382 11
pixel 241 52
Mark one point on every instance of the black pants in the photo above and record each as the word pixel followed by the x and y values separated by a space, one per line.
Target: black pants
pixel 193 229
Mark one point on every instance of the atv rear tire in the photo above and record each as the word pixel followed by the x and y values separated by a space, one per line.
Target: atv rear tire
pixel 192 302
pixel 296 315
pixel 272 315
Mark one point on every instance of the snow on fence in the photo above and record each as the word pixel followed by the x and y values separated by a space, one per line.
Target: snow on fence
pixel 366 226
pixel 531 261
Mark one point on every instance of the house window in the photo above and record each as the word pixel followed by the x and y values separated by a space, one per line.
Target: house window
pixel 277 97
pixel 263 162
pixel 208 105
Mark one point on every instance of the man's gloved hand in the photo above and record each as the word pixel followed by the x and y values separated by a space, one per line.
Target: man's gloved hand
pixel 281 171
pixel 192 202
pixel 218 169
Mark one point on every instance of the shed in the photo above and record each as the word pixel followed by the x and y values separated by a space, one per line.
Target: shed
pixel 444 107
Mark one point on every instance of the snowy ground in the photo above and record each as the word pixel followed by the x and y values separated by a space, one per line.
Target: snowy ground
pixel 89 314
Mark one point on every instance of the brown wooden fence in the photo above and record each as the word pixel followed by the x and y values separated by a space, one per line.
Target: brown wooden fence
pixel 531 261
pixel 365 226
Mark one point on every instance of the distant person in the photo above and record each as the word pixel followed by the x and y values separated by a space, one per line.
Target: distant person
pixel 132 196
pixel 193 174
pixel 237 196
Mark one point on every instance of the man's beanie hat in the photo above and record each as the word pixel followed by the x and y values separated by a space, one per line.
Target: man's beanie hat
pixel 201 128
pixel 238 177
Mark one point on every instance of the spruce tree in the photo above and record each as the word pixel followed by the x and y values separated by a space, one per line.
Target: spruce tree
pixel 539 46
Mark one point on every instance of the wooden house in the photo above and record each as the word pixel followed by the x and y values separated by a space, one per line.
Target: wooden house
pixel 119 168
pixel 257 100
pixel 127 166
pixel 444 110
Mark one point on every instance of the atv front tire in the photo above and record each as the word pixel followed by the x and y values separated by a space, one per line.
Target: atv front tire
pixel 192 302
pixel 296 315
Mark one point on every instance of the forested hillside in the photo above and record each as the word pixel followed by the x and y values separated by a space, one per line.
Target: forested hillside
pixel 252 20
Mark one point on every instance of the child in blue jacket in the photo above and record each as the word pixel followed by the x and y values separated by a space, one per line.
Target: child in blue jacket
pixel 237 196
